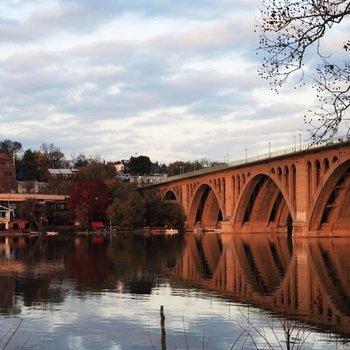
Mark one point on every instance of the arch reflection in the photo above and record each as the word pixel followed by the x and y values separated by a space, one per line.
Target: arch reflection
pixel 308 280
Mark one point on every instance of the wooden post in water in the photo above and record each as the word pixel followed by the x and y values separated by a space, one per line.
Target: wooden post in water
pixel 162 328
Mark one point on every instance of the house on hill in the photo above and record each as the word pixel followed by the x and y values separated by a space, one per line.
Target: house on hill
pixel 61 174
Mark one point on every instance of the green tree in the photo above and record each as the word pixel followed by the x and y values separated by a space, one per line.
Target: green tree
pixel 295 30
pixel 164 213
pixel 28 157
pixel 121 190
pixel 98 171
pixel 32 166
pixel 129 212
pixel 26 167
pixel 140 165
pixel 177 168
pixel 180 167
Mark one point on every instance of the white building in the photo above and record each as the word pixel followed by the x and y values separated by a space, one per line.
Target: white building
pixel 5 217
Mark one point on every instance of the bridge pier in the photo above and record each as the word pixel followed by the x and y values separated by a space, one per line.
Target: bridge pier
pixel 299 228
pixel 227 227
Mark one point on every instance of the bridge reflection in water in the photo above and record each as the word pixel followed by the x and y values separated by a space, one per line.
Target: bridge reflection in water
pixel 308 280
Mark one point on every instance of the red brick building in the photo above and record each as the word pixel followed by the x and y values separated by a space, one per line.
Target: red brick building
pixel 8 181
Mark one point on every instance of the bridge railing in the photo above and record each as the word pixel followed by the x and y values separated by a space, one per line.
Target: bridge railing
pixel 254 159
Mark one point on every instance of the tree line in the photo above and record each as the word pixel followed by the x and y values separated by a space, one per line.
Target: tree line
pixel 32 165
pixel 121 204
pixel 95 193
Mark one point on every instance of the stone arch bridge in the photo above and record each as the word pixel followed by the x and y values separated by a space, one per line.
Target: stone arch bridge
pixel 304 191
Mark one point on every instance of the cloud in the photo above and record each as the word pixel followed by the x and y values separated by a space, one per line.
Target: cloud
pixel 170 79
pixel 39 20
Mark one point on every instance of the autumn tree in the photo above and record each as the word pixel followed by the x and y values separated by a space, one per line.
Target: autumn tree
pixel 88 200
pixel 294 31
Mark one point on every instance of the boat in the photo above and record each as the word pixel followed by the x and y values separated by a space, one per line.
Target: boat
pixel 171 231
pixel 155 231
pixel 51 233
pixel 199 230
pixel 35 233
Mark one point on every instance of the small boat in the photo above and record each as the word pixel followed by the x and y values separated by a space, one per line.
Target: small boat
pixel 35 233
pixel 51 233
pixel 199 230
pixel 163 231
pixel 171 231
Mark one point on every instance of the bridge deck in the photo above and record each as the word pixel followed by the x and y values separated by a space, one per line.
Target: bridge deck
pixel 287 152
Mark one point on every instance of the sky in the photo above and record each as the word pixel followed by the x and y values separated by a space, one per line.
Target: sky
pixel 172 80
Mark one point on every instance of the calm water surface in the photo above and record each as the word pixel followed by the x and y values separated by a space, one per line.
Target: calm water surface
pixel 218 292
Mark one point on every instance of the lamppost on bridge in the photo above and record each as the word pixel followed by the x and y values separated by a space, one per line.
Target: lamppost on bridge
pixel 226 158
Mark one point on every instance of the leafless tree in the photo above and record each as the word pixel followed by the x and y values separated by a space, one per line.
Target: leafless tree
pixel 52 153
pixel 291 32
pixel 11 147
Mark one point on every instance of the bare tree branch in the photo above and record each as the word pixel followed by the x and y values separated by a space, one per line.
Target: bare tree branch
pixel 289 31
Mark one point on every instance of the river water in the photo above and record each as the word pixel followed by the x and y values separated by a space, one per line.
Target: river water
pixel 217 292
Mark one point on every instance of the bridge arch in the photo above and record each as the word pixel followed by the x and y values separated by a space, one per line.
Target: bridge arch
pixel 264 263
pixel 264 205
pixel 329 212
pixel 328 262
pixel 170 195
pixel 205 207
